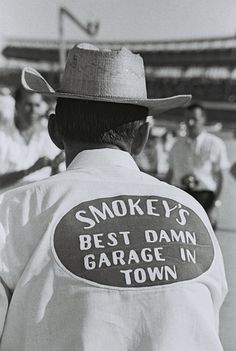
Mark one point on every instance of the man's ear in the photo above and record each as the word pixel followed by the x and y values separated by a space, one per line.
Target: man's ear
pixel 140 139
pixel 54 133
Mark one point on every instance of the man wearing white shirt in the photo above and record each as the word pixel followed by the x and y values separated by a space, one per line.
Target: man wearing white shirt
pixel 103 256
pixel 199 160
pixel 26 151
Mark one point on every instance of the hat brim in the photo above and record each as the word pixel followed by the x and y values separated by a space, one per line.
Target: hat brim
pixel 32 81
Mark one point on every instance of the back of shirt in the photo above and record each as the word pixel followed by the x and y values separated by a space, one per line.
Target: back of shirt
pixel 105 257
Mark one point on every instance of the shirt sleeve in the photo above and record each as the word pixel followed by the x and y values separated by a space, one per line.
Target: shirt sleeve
pixel 13 250
pixel 18 234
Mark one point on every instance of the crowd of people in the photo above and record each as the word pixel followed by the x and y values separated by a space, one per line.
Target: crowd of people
pixel 103 256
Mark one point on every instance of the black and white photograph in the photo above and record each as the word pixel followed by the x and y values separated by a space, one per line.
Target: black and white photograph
pixel 117 175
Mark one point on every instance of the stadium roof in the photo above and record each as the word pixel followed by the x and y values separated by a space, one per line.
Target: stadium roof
pixel 173 45
pixel 212 57
pixel 169 52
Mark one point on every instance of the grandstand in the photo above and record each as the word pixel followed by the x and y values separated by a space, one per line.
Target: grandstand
pixel 204 67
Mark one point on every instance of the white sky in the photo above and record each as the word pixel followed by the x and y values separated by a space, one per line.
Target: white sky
pixel 120 19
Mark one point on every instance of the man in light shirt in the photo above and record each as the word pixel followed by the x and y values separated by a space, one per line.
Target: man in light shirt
pixel 103 256
pixel 26 151
pixel 198 161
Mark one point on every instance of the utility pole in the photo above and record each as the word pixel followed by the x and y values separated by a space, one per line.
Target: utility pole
pixel 91 28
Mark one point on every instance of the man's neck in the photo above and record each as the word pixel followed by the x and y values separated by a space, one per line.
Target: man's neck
pixel 73 149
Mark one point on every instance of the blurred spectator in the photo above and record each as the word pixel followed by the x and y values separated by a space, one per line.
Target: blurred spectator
pixel 154 159
pixel 5 91
pixel 7 108
pixel 233 170
pixel 48 108
pixel 147 159
pixel 198 161
pixel 26 151
pixel 165 142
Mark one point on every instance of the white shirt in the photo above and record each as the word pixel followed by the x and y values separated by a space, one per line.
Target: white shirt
pixel 16 154
pixel 104 257
pixel 203 157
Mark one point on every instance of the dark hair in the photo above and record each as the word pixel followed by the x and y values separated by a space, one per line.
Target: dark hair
pixel 98 122
pixel 197 105
pixel 19 93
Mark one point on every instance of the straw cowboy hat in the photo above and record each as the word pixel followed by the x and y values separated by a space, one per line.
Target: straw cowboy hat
pixel 102 75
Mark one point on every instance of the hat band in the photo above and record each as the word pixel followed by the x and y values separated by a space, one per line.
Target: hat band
pixel 125 93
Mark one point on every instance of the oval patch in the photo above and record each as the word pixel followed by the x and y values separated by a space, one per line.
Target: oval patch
pixel 133 241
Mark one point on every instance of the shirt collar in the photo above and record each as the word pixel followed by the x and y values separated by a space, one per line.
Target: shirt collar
pixel 103 158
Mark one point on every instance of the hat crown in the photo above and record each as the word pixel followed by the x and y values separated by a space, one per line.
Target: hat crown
pixel 109 73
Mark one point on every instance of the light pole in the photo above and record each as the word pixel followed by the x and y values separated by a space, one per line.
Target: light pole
pixel 91 28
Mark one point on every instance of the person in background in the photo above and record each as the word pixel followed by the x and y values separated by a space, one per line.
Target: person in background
pixel 198 162
pixel 26 151
pixel 233 170
pixel 7 109
pixel 147 159
pixel 154 159
pixel 233 165
pixel 165 142
pixel 103 256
